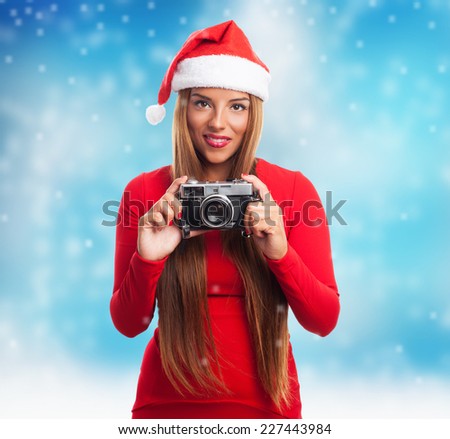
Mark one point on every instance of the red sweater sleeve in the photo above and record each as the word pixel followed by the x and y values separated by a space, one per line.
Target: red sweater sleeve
pixel 306 273
pixel 133 301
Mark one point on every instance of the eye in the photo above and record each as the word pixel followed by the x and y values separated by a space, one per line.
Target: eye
pixel 238 107
pixel 201 104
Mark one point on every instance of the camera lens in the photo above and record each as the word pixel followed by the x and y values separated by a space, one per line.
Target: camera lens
pixel 216 211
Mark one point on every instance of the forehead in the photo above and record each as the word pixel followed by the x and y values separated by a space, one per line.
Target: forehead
pixel 219 93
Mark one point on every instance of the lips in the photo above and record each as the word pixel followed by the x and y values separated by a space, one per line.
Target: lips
pixel 216 141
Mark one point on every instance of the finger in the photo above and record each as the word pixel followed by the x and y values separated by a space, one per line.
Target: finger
pixel 258 185
pixel 260 218
pixel 195 233
pixel 250 221
pixel 153 218
pixel 247 222
pixel 173 188
pixel 159 219
pixel 254 213
pixel 167 208
pixel 173 202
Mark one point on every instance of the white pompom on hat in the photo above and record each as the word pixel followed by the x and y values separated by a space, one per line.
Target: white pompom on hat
pixel 219 56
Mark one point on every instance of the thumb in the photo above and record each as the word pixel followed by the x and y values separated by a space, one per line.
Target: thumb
pixel 195 233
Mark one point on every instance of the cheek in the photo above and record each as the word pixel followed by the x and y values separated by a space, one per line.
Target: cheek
pixel 193 131
pixel 195 124
pixel 190 123
pixel 239 124
pixel 192 118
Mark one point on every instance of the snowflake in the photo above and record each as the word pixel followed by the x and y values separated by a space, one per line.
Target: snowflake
pixel 215 288
pixel 392 19
pixel 303 142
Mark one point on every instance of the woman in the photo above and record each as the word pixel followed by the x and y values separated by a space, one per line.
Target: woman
pixel 221 349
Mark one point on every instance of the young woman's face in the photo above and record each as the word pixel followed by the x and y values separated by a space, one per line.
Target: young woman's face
pixel 217 120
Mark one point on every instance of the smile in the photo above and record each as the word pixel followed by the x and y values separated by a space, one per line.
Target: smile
pixel 216 141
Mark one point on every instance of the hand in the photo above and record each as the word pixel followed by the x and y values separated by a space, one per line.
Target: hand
pixel 264 219
pixel 158 237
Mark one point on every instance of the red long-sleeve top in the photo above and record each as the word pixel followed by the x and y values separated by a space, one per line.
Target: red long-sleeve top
pixel 305 275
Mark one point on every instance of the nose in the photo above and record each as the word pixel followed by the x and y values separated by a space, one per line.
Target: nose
pixel 217 120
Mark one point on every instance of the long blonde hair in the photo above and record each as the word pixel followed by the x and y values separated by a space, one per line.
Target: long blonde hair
pixel 186 342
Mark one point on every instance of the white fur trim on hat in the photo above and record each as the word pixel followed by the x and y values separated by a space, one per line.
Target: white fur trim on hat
pixel 222 71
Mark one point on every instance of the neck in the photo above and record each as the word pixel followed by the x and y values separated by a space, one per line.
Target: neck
pixel 218 172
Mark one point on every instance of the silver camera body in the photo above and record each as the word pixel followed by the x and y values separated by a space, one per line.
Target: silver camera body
pixel 216 205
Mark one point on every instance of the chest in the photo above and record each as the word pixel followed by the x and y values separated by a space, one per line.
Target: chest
pixel 223 275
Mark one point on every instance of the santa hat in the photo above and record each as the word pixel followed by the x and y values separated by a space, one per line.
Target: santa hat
pixel 219 56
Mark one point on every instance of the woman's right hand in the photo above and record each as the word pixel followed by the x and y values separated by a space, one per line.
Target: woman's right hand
pixel 158 236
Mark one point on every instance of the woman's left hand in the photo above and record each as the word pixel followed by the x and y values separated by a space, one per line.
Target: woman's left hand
pixel 264 219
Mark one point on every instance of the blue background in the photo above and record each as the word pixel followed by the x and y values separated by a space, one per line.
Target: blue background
pixel 358 102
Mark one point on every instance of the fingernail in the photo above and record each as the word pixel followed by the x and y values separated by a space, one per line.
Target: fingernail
pixel 244 175
pixel 180 214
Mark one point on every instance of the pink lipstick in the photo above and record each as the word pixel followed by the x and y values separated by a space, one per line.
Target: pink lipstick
pixel 216 141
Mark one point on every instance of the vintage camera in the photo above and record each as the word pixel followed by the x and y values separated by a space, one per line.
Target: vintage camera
pixel 214 205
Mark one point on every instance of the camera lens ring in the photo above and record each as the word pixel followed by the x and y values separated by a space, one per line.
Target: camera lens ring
pixel 222 200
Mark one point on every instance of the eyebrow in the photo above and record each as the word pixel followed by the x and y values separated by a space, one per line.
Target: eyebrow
pixel 209 99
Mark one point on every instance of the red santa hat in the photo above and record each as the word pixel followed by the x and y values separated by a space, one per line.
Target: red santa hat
pixel 219 56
